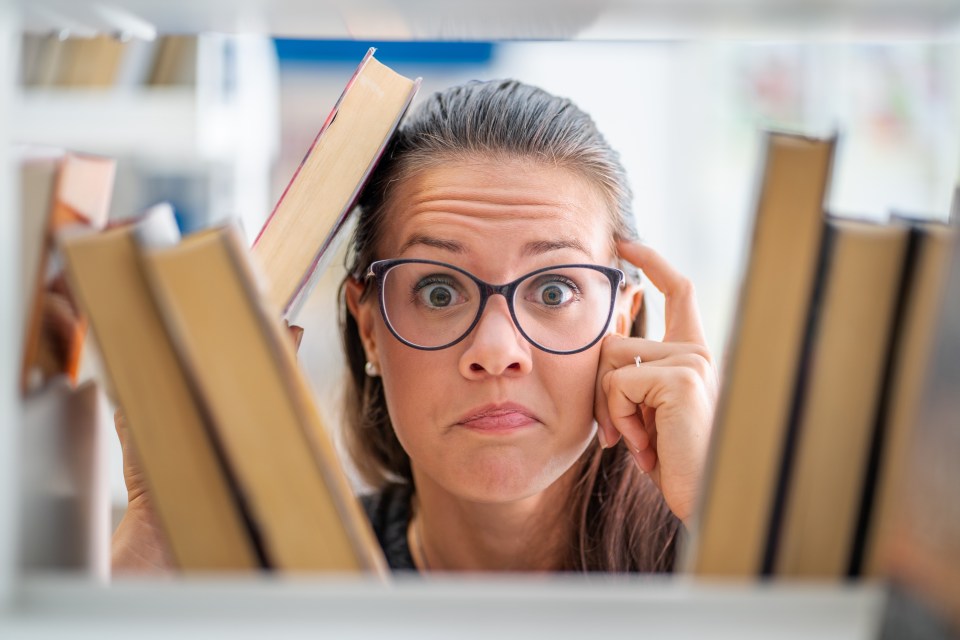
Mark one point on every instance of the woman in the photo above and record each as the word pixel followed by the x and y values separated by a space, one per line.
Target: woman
pixel 515 426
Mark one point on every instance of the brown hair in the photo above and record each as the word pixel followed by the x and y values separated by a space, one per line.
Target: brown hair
pixel 619 521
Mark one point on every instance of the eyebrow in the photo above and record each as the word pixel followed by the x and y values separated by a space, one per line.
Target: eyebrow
pixel 534 248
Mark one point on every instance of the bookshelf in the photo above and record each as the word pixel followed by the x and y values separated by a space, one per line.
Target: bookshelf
pixel 188 128
pixel 43 605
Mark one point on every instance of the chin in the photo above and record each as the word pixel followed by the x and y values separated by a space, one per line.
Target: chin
pixel 503 478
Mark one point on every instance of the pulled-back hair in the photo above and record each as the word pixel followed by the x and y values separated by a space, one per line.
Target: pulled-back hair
pixel 619 521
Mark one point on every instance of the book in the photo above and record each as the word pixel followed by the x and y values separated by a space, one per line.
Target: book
pixel 922 550
pixel 931 247
pixel 760 374
pixel 189 490
pixel 65 486
pixel 839 397
pixel 175 62
pixel 243 366
pixel 80 194
pixel 301 231
pixel 90 62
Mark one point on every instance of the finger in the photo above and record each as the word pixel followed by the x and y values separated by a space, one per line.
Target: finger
pixel 623 398
pixel 296 334
pixel 618 351
pixel 682 315
pixel 633 394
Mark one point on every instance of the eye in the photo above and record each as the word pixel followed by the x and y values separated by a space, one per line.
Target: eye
pixel 436 292
pixel 555 292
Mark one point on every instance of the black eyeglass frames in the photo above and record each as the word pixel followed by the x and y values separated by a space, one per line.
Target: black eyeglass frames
pixel 430 305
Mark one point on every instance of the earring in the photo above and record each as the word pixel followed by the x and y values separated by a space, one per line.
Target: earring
pixel 371 370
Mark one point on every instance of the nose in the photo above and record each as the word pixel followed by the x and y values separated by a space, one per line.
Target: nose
pixel 496 347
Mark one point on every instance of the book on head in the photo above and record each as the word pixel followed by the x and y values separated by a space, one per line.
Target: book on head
pixel 300 234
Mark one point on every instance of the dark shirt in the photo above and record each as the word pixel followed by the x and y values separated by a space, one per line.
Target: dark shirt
pixel 389 513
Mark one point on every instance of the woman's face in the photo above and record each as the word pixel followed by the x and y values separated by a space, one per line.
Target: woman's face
pixel 492 418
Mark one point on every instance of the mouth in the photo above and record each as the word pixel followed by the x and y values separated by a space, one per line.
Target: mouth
pixel 498 418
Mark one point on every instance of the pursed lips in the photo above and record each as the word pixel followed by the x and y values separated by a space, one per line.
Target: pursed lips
pixel 498 417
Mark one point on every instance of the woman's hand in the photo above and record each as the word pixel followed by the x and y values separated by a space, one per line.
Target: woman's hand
pixel 139 543
pixel 663 404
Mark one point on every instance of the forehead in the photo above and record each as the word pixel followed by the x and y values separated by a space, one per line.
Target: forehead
pixel 502 206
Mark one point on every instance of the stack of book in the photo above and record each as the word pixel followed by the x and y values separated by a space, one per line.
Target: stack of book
pixel 823 385
pixel 106 61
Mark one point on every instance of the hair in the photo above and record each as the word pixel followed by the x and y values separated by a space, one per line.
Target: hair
pixel 619 521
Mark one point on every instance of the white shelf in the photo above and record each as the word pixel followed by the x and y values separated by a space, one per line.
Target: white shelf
pixel 155 123
pixel 444 608
pixel 508 19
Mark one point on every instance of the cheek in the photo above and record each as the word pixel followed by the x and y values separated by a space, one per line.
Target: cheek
pixel 571 382
pixel 414 383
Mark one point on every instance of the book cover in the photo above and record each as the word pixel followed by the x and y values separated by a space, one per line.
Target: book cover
pixel 188 487
pixel 242 362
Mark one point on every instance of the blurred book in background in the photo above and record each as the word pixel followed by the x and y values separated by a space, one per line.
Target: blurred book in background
pixel 59 189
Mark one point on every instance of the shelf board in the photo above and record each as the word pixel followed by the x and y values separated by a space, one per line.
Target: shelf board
pixel 508 19
pixel 159 123
pixel 574 607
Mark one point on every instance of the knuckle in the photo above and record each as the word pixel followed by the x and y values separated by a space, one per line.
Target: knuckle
pixel 701 364
pixel 688 380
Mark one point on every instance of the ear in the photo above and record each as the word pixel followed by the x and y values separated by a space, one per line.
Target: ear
pixel 364 313
pixel 628 306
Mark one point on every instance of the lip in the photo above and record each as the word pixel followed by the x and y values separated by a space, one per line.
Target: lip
pixel 498 418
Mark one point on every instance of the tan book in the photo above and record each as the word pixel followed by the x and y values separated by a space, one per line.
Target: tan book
pixel 930 254
pixel 923 550
pixel 90 62
pixel 188 486
pixel 38 179
pixel 81 194
pixel 839 398
pixel 298 236
pixel 175 63
pixel 759 380
pixel 243 365
pixel 50 60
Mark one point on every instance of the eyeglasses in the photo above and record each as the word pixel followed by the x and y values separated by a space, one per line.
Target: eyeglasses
pixel 433 305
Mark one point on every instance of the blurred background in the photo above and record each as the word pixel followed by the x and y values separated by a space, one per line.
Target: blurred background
pixel 217 124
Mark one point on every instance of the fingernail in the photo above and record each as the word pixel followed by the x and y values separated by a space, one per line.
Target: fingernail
pixel 602 438
pixel 636 458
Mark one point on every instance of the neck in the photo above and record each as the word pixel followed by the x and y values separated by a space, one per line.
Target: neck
pixel 448 533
